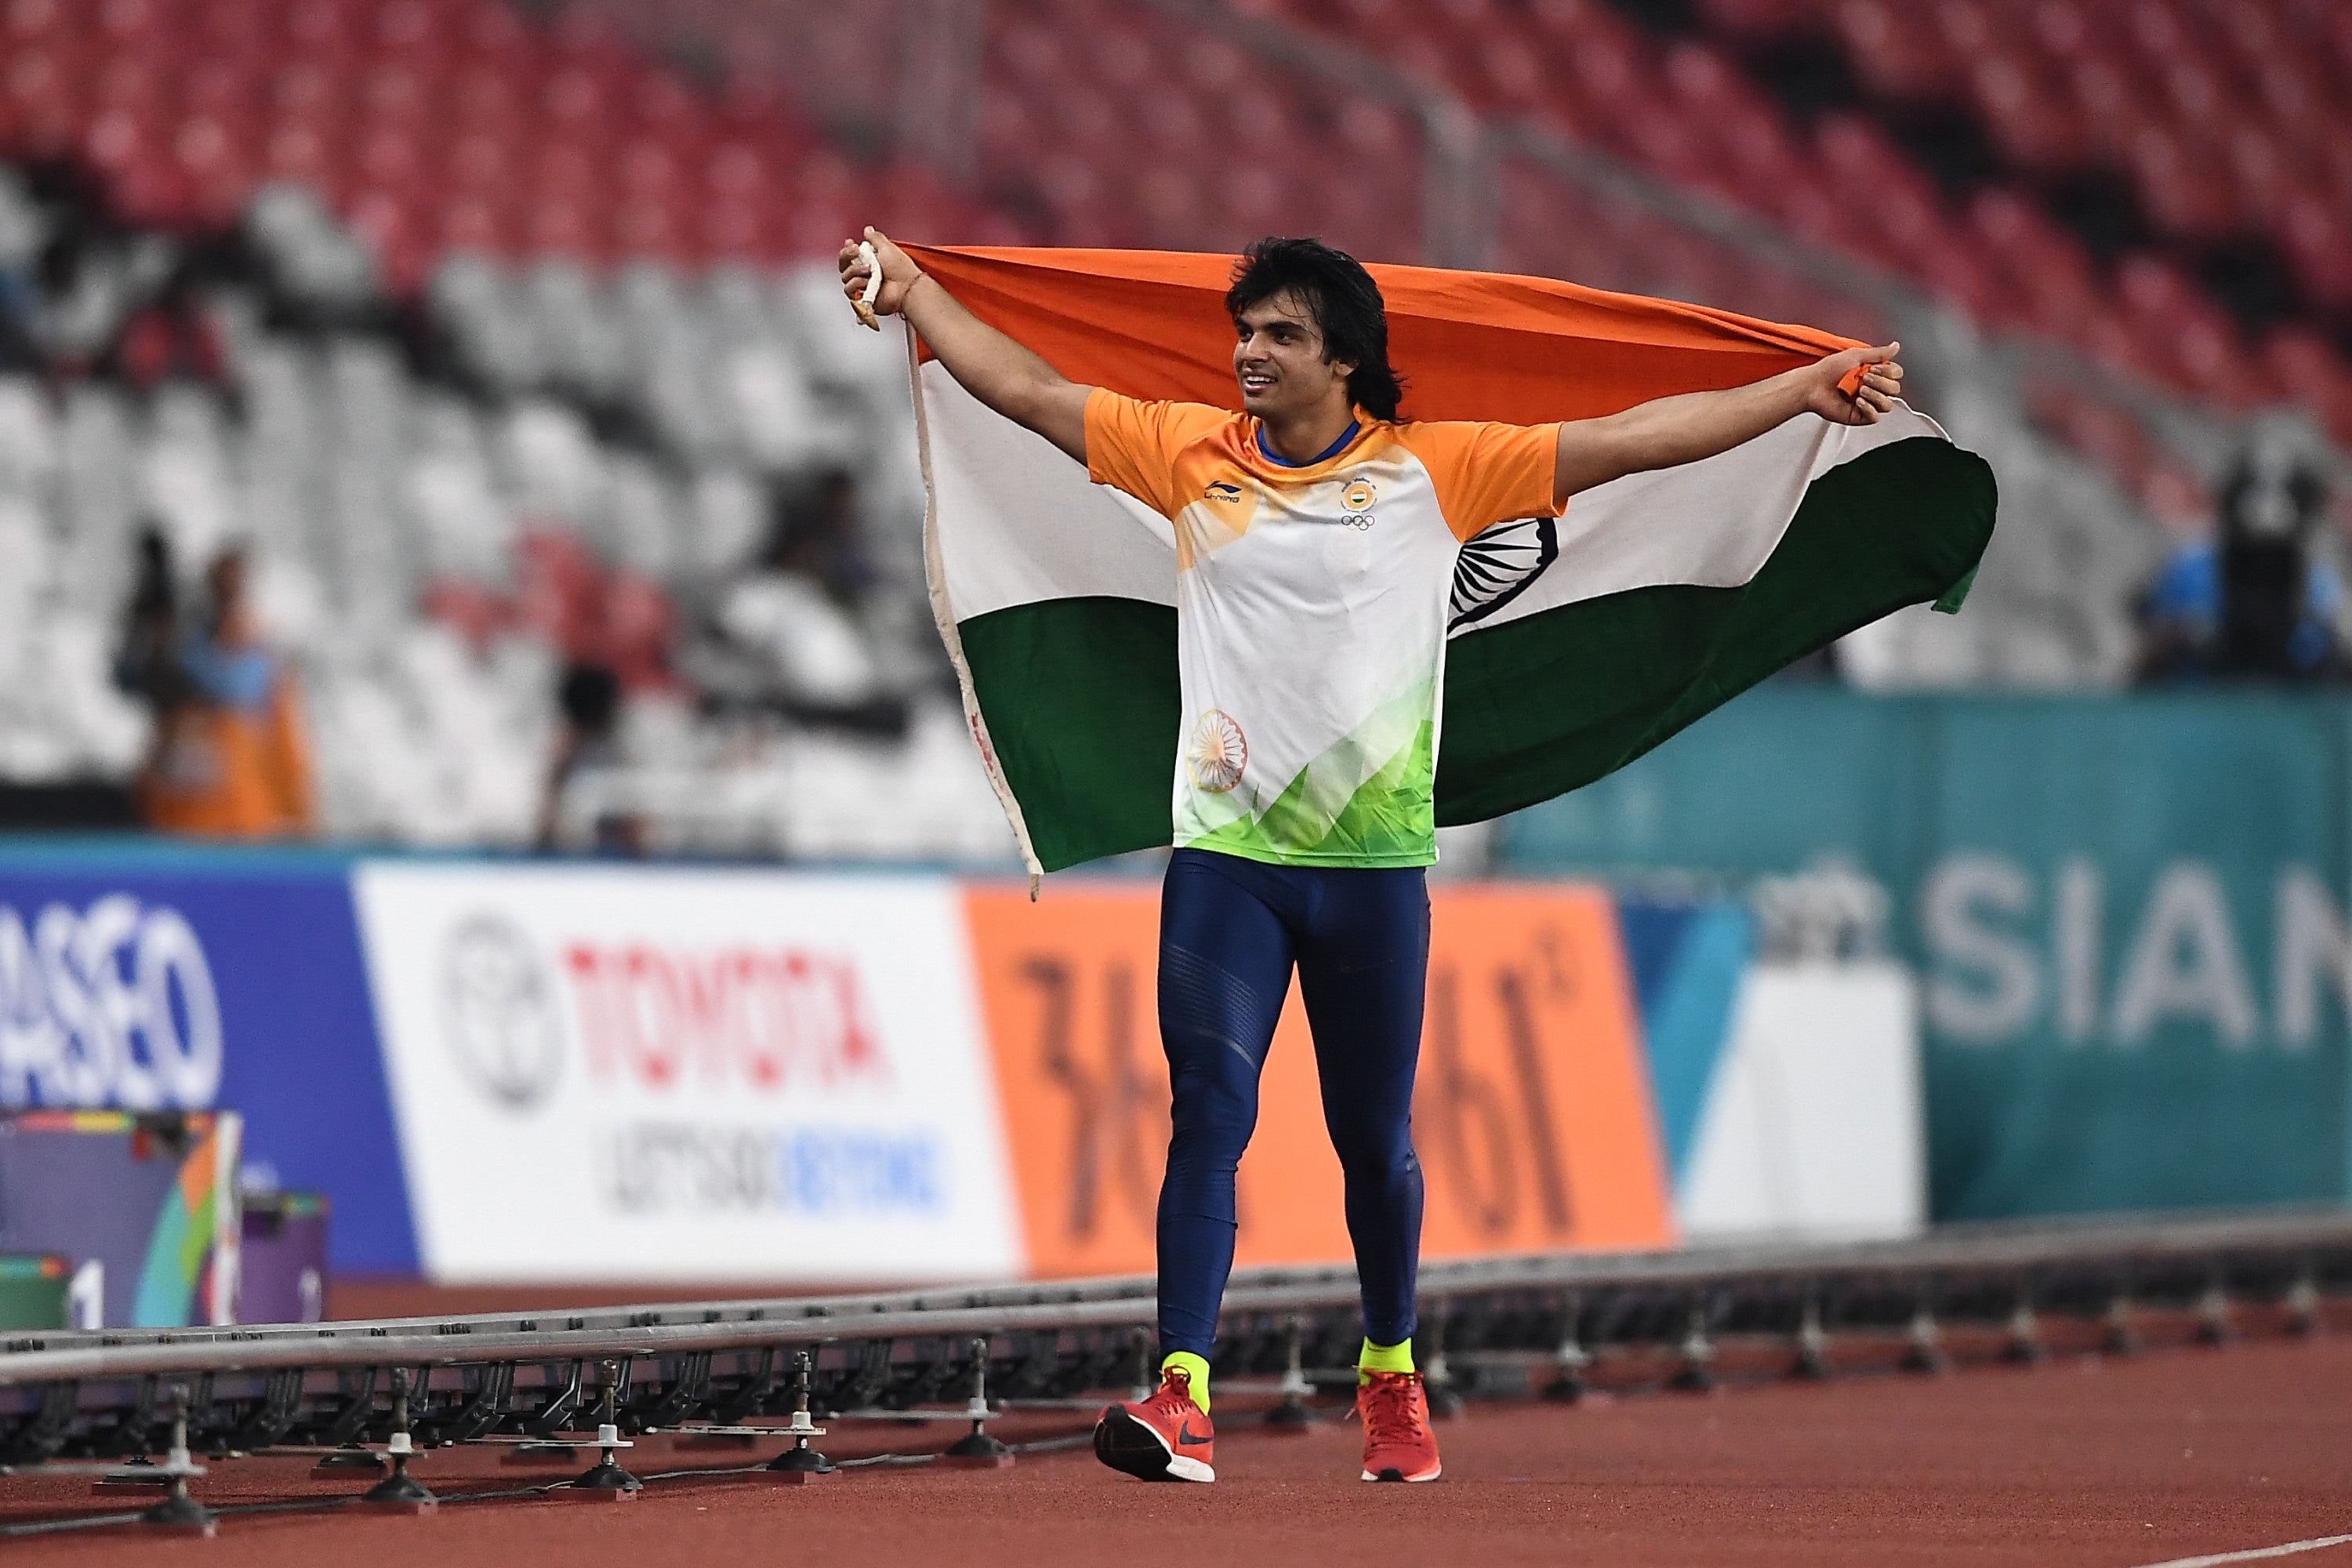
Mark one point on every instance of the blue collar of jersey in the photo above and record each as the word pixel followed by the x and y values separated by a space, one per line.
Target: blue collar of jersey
pixel 1355 428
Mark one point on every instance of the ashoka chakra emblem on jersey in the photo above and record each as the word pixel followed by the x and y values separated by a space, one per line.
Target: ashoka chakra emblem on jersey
pixel 1218 753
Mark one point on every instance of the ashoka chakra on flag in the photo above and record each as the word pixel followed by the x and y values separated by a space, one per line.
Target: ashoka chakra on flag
pixel 1576 644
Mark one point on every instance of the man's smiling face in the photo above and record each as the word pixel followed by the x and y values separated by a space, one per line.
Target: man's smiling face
pixel 1278 360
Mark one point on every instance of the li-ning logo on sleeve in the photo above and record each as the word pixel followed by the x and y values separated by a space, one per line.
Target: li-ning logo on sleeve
pixel 1221 492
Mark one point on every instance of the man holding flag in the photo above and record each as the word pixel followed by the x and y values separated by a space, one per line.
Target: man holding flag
pixel 1324 551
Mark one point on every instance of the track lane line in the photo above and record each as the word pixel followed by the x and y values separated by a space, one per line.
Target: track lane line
pixel 2257 1555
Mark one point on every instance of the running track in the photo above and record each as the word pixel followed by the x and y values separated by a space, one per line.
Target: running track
pixel 2175 1454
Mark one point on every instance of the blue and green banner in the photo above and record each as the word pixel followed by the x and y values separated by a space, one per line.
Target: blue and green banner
pixel 2128 917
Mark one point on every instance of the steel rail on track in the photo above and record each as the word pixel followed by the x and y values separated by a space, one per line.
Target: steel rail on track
pixel 753 1324
pixel 670 1365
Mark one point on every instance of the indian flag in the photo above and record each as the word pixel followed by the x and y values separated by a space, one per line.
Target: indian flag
pixel 1576 643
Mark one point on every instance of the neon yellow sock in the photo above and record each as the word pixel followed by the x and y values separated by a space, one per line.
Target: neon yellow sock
pixel 1384 1358
pixel 1199 1367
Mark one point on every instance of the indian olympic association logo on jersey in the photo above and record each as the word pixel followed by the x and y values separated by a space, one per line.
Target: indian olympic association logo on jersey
pixel 1355 504
pixel 1218 753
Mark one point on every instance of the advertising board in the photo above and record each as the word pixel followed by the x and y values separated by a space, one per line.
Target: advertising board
pixel 1531 1116
pixel 2132 920
pixel 184 982
pixel 624 1073
pixel 501 1072
pixel 1812 1124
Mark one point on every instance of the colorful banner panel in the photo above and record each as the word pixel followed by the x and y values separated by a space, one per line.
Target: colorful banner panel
pixel 181 979
pixel 143 1207
pixel 1532 1117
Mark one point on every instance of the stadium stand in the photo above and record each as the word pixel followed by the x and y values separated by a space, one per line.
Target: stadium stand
pixel 2203 149
pixel 1689 112
pixel 554 464
pixel 485 324
pixel 2134 368
pixel 433 125
pixel 1559 184
pixel 1066 87
pixel 445 514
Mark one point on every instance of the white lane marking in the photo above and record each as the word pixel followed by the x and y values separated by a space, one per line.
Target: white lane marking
pixel 2318 1543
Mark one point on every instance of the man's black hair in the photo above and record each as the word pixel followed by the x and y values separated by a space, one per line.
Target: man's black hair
pixel 1345 302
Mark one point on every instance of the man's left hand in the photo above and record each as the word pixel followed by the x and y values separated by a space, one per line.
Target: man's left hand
pixel 1882 384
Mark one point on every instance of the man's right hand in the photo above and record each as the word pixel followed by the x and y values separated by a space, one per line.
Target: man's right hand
pixel 1001 372
pixel 899 272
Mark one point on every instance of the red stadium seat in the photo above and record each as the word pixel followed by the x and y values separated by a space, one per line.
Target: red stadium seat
pixel 1610 77
pixel 2258 179
pixel 27 24
pixel 2307 369
pixel 297 153
pixel 2029 114
pixel 476 227
pixel 321 27
pixel 1758 19
pixel 2319 244
pixel 557 226
pixel 650 226
pixel 1503 74
pixel 2182 189
pixel 1895 53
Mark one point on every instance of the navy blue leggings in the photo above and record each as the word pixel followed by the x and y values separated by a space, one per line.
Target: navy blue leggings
pixel 1230 930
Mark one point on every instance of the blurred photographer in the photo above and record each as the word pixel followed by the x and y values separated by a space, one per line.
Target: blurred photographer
pixel 230 759
pixel 2256 602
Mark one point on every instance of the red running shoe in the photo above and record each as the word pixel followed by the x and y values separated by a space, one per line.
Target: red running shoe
pixel 1166 1437
pixel 1397 1443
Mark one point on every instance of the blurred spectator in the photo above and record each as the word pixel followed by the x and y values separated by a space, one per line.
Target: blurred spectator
pixel 147 664
pixel 819 533
pixel 590 698
pixel 88 283
pixel 22 231
pixel 793 640
pixel 2255 603
pixel 230 758
pixel 170 337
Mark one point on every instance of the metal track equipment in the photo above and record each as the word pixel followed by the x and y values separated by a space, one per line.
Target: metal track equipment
pixel 1551 1325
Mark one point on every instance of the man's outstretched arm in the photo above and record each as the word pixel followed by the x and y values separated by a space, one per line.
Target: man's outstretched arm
pixel 1672 430
pixel 1011 379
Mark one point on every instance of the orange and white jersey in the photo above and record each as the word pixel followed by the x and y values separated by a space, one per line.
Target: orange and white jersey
pixel 1312 606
